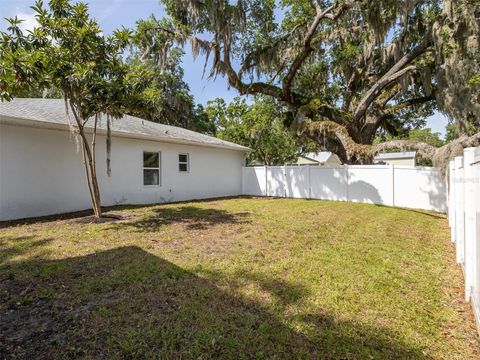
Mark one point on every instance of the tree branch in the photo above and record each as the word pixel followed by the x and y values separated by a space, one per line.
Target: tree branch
pixel 404 104
pixel 423 149
pixel 252 88
pixel 307 48
pixel 351 87
pixel 248 61
pixel 391 75
pixel 387 95
pixel 224 66
pixel 362 152
pixel 378 112
pixel 316 109
pixel 305 51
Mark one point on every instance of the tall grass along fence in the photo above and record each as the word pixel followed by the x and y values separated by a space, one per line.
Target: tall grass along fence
pixel 464 220
pixel 413 187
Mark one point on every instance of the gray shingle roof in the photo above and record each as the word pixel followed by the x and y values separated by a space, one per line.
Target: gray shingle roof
pixel 50 113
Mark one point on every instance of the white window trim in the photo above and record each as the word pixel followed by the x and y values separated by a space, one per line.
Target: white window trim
pixel 159 168
pixel 183 162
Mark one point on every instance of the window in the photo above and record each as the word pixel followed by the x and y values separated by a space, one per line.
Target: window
pixel 183 163
pixel 151 168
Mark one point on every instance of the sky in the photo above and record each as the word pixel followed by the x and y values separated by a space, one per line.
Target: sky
pixel 113 14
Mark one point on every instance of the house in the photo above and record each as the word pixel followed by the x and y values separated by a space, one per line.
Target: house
pixel 42 173
pixel 321 158
pixel 396 158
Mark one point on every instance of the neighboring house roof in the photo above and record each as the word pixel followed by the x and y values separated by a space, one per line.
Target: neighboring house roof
pixel 321 157
pixel 50 113
pixel 396 155
pixel 303 160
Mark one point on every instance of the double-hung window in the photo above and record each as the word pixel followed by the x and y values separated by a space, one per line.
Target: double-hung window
pixel 183 162
pixel 151 168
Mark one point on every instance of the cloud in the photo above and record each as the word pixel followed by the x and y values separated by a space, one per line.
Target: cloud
pixel 29 22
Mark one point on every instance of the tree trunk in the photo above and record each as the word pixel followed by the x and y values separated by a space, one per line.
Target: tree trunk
pixel 91 175
pixel 89 161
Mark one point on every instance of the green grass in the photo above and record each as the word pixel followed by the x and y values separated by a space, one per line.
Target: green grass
pixel 232 279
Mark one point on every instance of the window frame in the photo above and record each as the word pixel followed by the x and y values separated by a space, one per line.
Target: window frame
pixel 184 162
pixel 159 168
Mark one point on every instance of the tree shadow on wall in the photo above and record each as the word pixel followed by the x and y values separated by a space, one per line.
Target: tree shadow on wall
pixel 436 191
pixel 128 303
pixel 363 192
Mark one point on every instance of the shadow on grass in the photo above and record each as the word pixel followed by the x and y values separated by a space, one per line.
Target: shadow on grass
pixel 20 245
pixel 128 303
pixel 283 293
pixel 109 212
pixel 432 213
pixel 83 216
pixel 193 217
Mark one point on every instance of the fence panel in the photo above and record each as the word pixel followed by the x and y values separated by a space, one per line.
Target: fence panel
pixel 371 184
pixel 254 181
pixel 276 181
pixel 464 220
pixel 297 182
pixel 459 181
pixel 419 188
pixel 329 183
pixel 476 231
pixel 470 219
pixel 451 199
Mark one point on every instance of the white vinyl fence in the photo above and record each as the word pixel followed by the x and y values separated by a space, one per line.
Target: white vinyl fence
pixel 412 187
pixel 464 220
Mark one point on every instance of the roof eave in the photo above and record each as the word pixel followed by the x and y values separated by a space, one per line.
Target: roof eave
pixel 18 121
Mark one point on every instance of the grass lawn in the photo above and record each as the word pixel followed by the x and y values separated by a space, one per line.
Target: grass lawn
pixel 232 279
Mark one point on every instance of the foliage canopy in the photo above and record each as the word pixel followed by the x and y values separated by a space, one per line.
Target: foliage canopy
pixel 345 69
pixel 258 126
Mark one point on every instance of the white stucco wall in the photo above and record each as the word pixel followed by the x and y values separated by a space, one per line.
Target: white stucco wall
pixel 41 173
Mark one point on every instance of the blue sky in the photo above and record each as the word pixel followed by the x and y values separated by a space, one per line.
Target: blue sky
pixel 112 14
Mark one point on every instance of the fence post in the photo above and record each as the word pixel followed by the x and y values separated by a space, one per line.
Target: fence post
pixel 476 229
pixel 266 180
pixel 309 182
pixel 452 206
pixel 242 181
pixel 470 220
pixel 348 185
pixel 447 197
pixel 460 210
pixel 393 184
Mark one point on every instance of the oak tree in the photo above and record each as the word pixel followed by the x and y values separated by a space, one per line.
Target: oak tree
pixel 346 69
